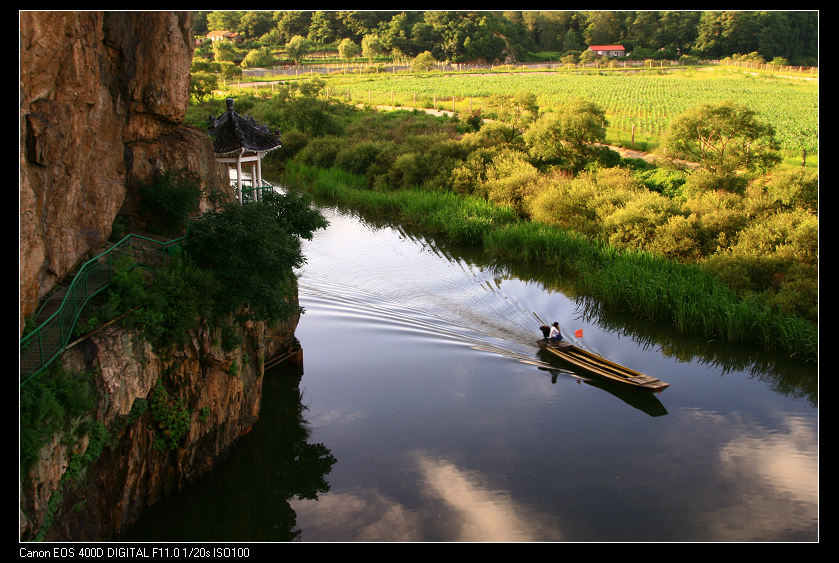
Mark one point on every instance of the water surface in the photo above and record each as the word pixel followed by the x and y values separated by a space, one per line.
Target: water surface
pixel 430 415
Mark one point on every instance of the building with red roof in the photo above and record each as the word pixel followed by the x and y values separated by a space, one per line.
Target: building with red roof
pixel 608 50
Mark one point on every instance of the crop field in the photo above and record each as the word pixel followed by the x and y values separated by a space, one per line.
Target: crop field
pixel 645 100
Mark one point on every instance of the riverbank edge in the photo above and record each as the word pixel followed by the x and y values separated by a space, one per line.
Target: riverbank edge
pixel 647 286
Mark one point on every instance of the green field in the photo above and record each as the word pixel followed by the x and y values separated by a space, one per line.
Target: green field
pixel 647 100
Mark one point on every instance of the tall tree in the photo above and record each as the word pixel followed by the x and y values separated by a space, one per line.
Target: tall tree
pixel 397 33
pixel 677 30
pixel 324 27
pixel 256 24
pixel 603 28
pixel 725 138
pixel 224 20
pixel 292 23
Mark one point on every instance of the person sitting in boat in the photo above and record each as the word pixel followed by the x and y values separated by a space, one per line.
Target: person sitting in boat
pixel 555 335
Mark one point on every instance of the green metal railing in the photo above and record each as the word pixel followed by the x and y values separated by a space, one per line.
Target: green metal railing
pixel 250 192
pixel 45 343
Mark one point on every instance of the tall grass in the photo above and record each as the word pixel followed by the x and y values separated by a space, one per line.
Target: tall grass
pixel 464 220
pixel 648 286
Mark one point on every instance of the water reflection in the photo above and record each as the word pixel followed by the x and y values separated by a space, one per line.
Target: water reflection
pixel 760 484
pixel 246 497
pixel 455 505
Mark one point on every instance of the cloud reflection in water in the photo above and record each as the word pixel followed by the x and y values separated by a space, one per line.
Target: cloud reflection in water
pixel 457 506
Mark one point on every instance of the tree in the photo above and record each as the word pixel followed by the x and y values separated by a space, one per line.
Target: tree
pixel 371 46
pixel 568 134
pixel 324 27
pixel 348 49
pixel 202 84
pixel 256 24
pixel 725 138
pixel 225 51
pixel 258 58
pixel 297 47
pixel 423 62
pixel 224 20
pixel 292 23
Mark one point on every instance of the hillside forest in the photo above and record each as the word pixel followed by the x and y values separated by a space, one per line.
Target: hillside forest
pixel 786 37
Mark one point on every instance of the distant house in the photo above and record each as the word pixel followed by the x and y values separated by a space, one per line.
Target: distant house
pixel 608 50
pixel 222 35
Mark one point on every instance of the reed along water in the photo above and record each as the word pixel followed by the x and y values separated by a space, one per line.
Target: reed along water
pixel 426 412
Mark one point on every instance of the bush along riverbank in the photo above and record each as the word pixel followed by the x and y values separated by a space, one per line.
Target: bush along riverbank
pixel 643 284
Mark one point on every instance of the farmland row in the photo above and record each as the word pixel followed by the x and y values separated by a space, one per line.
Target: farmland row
pixel 647 102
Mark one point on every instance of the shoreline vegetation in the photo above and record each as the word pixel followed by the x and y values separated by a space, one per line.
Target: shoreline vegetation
pixel 645 285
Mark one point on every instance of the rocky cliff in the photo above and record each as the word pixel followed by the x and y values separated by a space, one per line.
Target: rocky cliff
pixel 102 98
pixel 221 391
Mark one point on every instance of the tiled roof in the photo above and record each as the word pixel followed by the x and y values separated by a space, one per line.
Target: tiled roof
pixel 232 132
pixel 606 48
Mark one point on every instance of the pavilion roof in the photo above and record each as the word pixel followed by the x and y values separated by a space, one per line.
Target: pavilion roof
pixel 233 132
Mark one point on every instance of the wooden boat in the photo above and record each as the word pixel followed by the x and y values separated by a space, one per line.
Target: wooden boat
pixel 602 367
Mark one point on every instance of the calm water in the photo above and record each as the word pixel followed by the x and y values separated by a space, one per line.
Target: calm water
pixel 428 414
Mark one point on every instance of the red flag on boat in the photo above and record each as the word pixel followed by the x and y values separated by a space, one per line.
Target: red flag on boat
pixel 578 333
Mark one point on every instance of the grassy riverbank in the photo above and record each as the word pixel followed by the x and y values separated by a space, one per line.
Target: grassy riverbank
pixel 645 285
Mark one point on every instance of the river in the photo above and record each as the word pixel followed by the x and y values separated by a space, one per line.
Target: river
pixel 428 414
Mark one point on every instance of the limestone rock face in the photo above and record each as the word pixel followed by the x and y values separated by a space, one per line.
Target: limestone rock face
pixel 102 98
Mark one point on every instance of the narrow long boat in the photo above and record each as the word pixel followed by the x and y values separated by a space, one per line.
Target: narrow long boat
pixel 602 367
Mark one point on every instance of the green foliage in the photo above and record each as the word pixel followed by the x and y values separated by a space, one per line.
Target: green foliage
pixel 202 84
pixel 423 62
pixel 251 251
pixel 795 189
pixel 320 152
pixel 296 47
pixel 171 417
pixel 358 157
pixel 293 142
pixel 567 135
pixel 348 49
pixel 49 404
pixel 258 58
pixel 169 198
pixel 175 299
pixel 666 181
pixel 226 51
pixel 725 138
pixel 510 180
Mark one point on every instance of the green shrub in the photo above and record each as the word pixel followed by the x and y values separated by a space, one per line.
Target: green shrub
pixel 177 297
pixel 171 417
pixel 251 251
pixel 320 151
pixel 667 181
pixel 358 157
pixel 48 404
pixel 795 189
pixel 169 199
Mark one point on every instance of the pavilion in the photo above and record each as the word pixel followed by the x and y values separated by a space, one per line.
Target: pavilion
pixel 239 139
